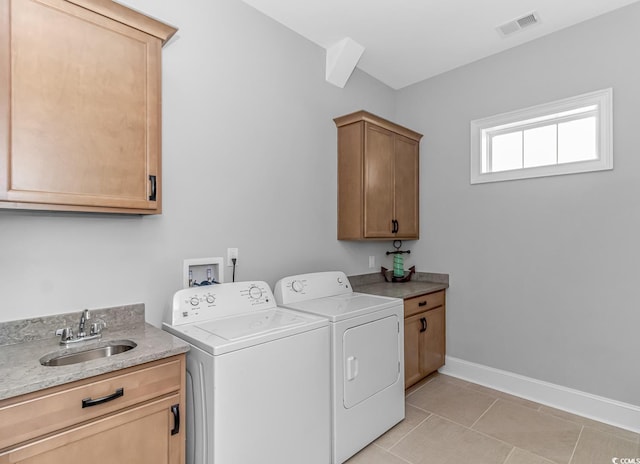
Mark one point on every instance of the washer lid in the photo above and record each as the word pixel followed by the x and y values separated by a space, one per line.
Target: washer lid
pixel 341 307
pixel 252 324
pixel 233 333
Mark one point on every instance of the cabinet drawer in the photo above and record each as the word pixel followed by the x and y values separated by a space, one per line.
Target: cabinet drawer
pixel 422 303
pixel 139 435
pixel 35 414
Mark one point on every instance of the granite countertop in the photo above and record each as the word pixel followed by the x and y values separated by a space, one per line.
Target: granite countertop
pixel 20 368
pixel 420 284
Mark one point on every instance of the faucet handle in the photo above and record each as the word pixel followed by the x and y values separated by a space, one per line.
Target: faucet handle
pixel 97 327
pixel 65 334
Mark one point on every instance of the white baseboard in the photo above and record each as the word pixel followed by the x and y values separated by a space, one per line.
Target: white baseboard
pixel 617 413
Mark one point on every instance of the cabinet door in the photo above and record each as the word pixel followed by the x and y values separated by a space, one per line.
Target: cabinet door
pixel 140 435
pixel 432 341
pixel 412 336
pixel 378 182
pixel 80 102
pixel 406 175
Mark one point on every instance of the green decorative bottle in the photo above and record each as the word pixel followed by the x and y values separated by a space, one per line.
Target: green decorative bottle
pixel 398 265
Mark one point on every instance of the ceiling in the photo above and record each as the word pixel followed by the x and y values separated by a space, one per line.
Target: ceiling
pixel 407 41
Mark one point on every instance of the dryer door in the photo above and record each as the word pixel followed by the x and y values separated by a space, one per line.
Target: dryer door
pixel 371 359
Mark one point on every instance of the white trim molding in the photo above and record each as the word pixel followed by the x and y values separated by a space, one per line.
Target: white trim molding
pixel 616 413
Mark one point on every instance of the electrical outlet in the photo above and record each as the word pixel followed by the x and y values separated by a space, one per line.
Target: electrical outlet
pixel 232 253
pixel 372 262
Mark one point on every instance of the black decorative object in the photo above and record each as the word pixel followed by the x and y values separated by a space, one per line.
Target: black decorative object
pixel 398 274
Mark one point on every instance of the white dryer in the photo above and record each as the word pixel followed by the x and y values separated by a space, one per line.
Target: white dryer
pixel 367 355
pixel 258 381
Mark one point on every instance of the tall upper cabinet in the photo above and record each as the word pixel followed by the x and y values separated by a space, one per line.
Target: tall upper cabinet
pixel 80 106
pixel 378 179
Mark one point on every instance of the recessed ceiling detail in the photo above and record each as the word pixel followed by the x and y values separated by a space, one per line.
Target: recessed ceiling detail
pixel 342 58
pixel 518 24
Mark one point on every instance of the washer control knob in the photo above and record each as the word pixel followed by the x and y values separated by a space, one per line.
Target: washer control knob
pixel 297 286
pixel 339 280
pixel 194 301
pixel 211 299
pixel 255 292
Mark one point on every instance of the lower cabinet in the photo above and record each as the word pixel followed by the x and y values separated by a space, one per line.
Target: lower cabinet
pixel 424 336
pixel 142 424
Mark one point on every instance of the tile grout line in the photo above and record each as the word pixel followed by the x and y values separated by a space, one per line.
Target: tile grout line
pixel 433 414
pixel 605 430
pixel 473 430
pixel 421 409
pixel 392 454
pixel 419 388
pixel 405 435
pixel 482 415
pixel 511 444
pixel 468 385
pixel 450 420
pixel 549 461
pixel 513 448
pixel 581 424
pixel 575 447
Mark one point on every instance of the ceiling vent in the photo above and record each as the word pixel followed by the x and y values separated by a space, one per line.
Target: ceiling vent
pixel 518 24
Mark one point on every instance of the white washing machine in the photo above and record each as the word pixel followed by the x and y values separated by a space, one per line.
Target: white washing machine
pixel 367 355
pixel 258 380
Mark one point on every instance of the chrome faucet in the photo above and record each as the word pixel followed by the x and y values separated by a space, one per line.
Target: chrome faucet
pixel 83 320
pixel 95 332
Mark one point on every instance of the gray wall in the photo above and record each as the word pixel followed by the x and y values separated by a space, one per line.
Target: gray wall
pixel 544 272
pixel 249 162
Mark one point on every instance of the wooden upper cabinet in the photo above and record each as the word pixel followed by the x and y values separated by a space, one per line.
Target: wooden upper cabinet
pixel 378 179
pixel 80 106
pixel 379 183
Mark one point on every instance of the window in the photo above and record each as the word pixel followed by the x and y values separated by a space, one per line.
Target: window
pixel 562 137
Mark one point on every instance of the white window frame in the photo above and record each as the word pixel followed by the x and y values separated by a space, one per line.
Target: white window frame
pixel 505 122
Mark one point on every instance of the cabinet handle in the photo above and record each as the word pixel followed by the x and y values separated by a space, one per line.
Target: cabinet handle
pixel 397 226
pixel 394 226
pixel 423 321
pixel 175 410
pixel 423 303
pixel 152 179
pixel 88 402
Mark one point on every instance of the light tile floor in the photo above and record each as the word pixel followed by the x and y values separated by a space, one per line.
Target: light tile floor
pixel 452 421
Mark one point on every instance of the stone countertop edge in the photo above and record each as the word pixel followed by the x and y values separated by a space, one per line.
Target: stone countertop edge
pixel 21 371
pixel 420 284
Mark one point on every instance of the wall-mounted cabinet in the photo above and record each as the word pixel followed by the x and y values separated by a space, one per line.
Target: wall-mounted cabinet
pixel 378 179
pixel 80 97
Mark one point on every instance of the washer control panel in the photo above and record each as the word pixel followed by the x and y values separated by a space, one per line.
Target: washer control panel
pixel 304 287
pixel 197 304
